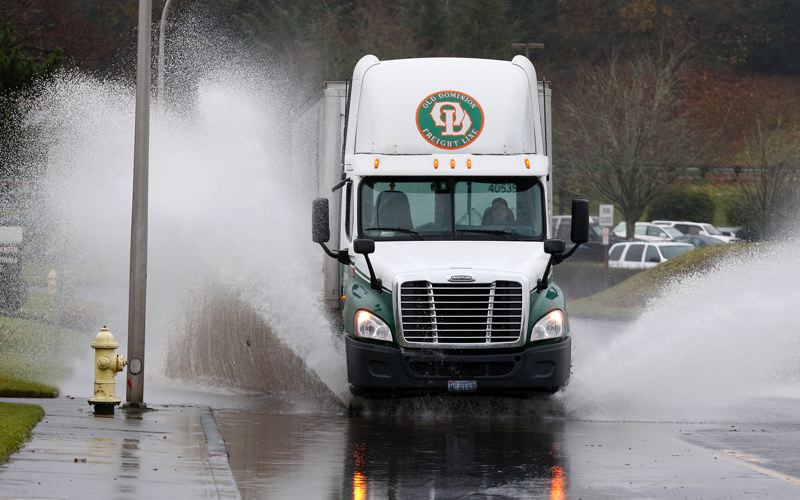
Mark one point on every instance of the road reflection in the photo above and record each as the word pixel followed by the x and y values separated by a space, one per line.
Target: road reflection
pixel 373 457
pixel 557 483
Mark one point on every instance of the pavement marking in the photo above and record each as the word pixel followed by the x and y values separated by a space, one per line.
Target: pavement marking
pixel 751 462
pixel 756 464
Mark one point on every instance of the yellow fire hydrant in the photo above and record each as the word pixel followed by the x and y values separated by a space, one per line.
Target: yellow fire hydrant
pixel 106 365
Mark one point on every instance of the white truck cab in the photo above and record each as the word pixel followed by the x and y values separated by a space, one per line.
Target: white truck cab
pixel 442 267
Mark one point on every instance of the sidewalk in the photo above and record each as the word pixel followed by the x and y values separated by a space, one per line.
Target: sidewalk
pixel 168 452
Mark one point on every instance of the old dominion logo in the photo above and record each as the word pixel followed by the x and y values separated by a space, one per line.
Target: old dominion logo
pixel 450 119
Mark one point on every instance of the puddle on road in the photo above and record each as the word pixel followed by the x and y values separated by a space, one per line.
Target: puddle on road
pixel 274 456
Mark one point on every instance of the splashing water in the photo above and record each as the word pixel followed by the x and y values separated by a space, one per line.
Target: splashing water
pixel 228 207
pixel 709 342
pixel 225 206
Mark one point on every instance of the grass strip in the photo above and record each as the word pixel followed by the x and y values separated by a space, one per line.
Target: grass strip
pixel 627 299
pixel 34 356
pixel 13 387
pixel 16 422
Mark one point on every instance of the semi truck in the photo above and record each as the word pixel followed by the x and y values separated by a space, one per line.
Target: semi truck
pixel 439 241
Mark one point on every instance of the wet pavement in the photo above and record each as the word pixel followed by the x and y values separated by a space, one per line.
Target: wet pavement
pixel 477 447
pixel 463 455
pixel 169 451
pixel 286 446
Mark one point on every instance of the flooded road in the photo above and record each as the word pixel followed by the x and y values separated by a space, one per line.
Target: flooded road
pixel 275 455
pixel 478 447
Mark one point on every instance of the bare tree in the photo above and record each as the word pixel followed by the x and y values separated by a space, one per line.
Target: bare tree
pixel 772 194
pixel 624 135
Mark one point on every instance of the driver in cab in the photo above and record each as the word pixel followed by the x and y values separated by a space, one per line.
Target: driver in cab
pixel 498 214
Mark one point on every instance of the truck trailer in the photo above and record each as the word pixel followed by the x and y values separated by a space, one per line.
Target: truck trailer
pixel 440 244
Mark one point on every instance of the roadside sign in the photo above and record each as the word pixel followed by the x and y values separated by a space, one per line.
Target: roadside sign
pixel 605 236
pixel 607 215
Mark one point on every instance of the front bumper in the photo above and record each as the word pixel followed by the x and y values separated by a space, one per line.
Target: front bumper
pixel 380 367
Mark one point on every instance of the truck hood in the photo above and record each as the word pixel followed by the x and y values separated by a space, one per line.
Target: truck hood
pixel 440 258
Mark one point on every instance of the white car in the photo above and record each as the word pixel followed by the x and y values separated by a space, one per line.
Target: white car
pixel 687 227
pixel 641 255
pixel 646 231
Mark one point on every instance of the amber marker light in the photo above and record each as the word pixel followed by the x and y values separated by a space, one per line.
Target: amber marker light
pixel 344 297
pixel 527 164
pixel 435 163
pixel 377 162
pixel 452 163
pixel 469 162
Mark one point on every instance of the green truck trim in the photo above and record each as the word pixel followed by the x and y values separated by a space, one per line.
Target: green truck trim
pixel 361 296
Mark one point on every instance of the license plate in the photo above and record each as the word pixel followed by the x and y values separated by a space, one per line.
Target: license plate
pixel 462 385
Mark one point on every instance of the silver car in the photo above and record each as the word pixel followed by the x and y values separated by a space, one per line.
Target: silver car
pixel 644 255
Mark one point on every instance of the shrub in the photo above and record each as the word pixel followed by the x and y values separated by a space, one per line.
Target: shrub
pixel 739 213
pixel 681 204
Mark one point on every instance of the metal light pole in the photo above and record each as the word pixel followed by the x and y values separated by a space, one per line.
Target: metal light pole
pixel 137 297
pixel 161 40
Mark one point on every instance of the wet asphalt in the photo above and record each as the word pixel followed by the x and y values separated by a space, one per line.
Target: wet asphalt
pixel 439 447
pixel 478 447
pixel 423 454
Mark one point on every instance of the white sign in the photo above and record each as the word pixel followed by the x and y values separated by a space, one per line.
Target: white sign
pixel 605 236
pixel 10 235
pixel 607 215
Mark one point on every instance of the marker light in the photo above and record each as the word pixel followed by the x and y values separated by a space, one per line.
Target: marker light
pixel 435 163
pixel 377 162
pixel 369 326
pixel 527 164
pixel 452 163
pixel 469 162
pixel 550 326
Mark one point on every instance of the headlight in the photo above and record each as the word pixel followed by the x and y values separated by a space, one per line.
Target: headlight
pixel 369 326
pixel 551 326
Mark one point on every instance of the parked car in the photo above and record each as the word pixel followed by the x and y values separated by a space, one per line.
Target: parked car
pixel 687 227
pixel 646 231
pixel 641 255
pixel 698 240
pixel 731 231
pixel 593 249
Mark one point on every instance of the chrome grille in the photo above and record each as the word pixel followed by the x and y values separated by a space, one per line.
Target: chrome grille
pixel 461 313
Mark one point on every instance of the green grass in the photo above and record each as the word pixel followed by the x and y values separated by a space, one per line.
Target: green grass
pixel 12 387
pixel 34 355
pixel 39 341
pixel 627 299
pixel 16 422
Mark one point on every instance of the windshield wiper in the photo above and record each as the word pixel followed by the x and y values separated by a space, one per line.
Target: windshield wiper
pixel 398 229
pixel 498 232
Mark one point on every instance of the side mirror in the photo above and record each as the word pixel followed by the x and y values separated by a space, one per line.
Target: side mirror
pixel 554 246
pixel 320 225
pixel 580 221
pixel 364 246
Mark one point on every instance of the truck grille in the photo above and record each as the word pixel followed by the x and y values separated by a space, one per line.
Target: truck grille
pixel 461 313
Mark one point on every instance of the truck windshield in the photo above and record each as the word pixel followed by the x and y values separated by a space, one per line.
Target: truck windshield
pixel 455 208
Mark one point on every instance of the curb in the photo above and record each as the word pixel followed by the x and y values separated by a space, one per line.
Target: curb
pixel 218 456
